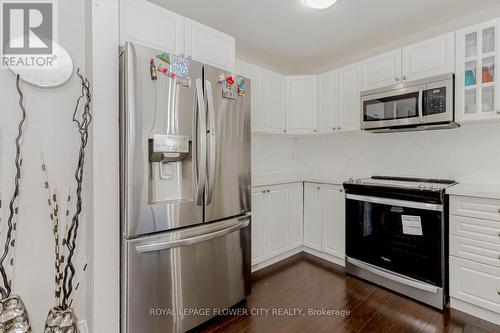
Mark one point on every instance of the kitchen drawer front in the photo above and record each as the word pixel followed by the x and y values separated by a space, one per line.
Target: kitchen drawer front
pixel 480 208
pixel 475 283
pixel 470 228
pixel 478 251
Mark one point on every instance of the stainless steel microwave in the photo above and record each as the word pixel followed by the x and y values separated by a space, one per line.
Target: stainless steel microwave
pixel 407 106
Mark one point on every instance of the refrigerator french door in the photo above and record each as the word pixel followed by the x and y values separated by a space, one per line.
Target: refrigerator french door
pixel 185 181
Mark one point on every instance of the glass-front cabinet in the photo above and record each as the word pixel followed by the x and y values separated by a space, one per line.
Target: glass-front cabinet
pixel 477 78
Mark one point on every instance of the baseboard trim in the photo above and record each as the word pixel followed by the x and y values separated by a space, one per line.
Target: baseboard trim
pixel 286 259
pixel 475 311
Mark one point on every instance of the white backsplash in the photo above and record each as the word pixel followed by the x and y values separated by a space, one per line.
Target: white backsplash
pixel 467 154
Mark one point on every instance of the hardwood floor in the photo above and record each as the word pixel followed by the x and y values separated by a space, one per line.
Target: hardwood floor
pixel 304 282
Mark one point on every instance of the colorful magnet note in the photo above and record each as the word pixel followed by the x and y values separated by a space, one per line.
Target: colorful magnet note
pixel 164 57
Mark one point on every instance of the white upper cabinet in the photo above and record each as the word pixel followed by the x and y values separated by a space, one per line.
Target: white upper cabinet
pixel 302 104
pixel 255 74
pixel 151 25
pixel 327 102
pixel 209 46
pixel 382 70
pixel 477 88
pixel 429 58
pixel 333 220
pixel 349 108
pixel 274 106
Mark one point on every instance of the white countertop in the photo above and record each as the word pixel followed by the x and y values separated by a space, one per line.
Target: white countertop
pixel 274 179
pixel 491 191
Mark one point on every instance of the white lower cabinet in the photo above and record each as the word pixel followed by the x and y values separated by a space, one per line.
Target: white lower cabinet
pixel 324 218
pixel 475 256
pixel 277 220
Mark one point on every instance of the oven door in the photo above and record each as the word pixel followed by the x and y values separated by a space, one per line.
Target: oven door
pixel 402 236
pixel 399 107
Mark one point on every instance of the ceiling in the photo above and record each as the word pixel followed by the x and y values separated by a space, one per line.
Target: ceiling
pixel 286 35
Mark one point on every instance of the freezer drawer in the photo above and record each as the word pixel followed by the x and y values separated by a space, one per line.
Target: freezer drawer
pixel 170 279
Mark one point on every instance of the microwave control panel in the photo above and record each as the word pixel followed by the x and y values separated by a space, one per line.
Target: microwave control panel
pixel 434 101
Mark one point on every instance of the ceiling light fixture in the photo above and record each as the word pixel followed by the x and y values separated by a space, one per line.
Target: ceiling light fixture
pixel 319 4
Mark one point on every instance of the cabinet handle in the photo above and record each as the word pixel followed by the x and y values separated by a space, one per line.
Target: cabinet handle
pixel 396 78
pixel 315 130
pixel 341 190
pixel 498 111
pixel 268 190
pixel 498 291
pixel 405 77
pixel 498 257
pixel 339 127
pixel 498 210
pixel 318 188
pixel 284 131
pixel 263 191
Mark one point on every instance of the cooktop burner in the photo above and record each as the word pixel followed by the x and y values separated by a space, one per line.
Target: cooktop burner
pixel 424 184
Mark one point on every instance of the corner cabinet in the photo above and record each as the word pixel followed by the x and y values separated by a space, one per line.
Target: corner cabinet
pixel 477 85
pixel 324 218
pixel 276 220
pixel 302 104
pixel 209 46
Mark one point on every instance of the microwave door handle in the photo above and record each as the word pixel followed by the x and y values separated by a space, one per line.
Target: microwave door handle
pixel 421 104
pixel 212 141
pixel 199 134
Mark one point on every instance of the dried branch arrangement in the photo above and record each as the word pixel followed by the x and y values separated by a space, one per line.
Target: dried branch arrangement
pixel 13 314
pixel 82 122
pixel 10 238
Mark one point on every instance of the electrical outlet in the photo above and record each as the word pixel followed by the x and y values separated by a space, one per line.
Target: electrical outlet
pixel 82 326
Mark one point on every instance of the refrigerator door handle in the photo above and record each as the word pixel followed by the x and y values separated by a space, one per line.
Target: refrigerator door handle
pixel 161 246
pixel 212 154
pixel 199 134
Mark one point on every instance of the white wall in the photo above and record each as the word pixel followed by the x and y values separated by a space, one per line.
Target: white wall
pixel 49 129
pixel 467 154
pixel 274 154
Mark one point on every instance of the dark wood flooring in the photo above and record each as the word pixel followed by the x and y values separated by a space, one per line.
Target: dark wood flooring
pixel 305 282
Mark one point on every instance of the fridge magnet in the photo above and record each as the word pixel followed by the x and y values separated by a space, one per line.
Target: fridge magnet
pixel 180 65
pixel 13 314
pixel 164 57
pixel 242 86
pixel 222 78
pixel 152 70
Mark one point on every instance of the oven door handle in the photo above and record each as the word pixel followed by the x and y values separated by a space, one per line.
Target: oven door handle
pixel 393 277
pixel 395 202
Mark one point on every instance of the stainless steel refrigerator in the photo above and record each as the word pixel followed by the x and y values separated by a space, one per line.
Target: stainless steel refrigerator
pixel 185 190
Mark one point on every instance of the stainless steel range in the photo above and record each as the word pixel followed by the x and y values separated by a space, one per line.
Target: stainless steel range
pixel 397 234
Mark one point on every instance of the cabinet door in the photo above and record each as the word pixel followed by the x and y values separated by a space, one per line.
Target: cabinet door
pixel 327 102
pixel 296 215
pixel 274 110
pixel 259 232
pixel 209 46
pixel 477 88
pixel 312 216
pixel 429 58
pixel 278 210
pixel 333 219
pixel 382 70
pixel 151 25
pixel 302 104
pixel 255 74
pixel 349 110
